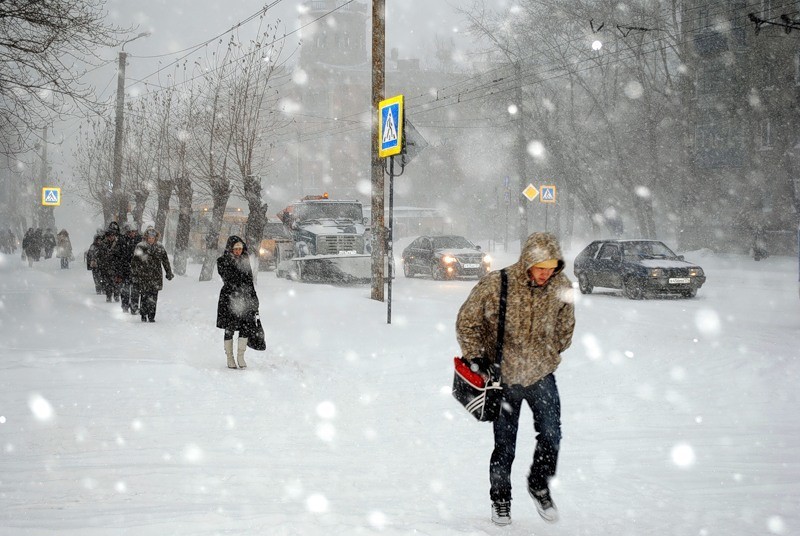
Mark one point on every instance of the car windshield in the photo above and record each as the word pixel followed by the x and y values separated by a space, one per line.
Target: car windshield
pixel 647 250
pixel 276 230
pixel 328 211
pixel 451 242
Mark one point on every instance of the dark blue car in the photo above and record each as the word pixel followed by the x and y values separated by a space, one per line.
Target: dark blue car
pixel 637 267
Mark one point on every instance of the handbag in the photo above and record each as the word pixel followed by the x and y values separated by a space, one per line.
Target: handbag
pixel 255 339
pixel 483 398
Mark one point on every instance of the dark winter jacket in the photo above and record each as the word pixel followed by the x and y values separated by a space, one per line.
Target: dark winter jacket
pixel 32 243
pixel 109 258
pixel 48 242
pixel 146 266
pixel 93 253
pixel 539 320
pixel 127 245
pixel 238 302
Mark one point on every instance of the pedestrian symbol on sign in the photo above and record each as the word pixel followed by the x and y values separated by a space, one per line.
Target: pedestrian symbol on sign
pixel 51 197
pixel 389 129
pixel 390 115
pixel 547 194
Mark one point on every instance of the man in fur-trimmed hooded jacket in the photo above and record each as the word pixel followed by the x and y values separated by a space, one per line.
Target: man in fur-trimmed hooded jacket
pixel 540 319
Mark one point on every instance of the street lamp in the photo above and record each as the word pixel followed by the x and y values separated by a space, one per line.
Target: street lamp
pixel 117 195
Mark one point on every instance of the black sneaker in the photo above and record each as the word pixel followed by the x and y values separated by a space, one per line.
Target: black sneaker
pixel 151 319
pixel 501 512
pixel 144 319
pixel 544 504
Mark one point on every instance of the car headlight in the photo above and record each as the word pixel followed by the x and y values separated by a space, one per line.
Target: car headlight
pixel 694 272
pixel 448 259
pixel 656 272
pixel 487 259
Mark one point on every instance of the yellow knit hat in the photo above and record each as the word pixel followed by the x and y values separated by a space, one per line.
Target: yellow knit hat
pixel 549 263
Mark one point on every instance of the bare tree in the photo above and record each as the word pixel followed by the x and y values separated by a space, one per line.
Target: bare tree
pixel 44 50
pixel 593 109
pixel 93 160
pixel 252 100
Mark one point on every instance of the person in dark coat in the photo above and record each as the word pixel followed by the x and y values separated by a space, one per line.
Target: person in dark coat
pixel 148 258
pixel 238 303
pixel 128 291
pixel 48 242
pixel 92 261
pixel 32 245
pixel 108 260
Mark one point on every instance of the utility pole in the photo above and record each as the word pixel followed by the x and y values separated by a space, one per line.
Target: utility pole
pixel 119 200
pixel 522 152
pixel 46 217
pixel 378 81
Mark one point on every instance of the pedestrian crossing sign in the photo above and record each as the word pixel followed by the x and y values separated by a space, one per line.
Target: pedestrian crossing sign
pixel 547 194
pixel 390 121
pixel 51 196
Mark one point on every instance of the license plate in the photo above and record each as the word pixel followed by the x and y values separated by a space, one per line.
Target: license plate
pixel 679 280
pixel 472 266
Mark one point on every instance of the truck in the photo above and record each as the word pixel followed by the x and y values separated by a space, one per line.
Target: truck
pixel 275 234
pixel 328 241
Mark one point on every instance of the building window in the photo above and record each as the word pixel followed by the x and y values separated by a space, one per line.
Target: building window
pixel 766 133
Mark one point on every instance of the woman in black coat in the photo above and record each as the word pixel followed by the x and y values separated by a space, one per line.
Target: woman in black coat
pixel 238 302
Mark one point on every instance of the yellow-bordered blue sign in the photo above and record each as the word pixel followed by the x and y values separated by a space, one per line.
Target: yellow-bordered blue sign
pixel 547 193
pixel 390 133
pixel 51 196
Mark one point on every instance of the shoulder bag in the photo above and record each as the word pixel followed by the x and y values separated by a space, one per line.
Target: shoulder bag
pixel 483 398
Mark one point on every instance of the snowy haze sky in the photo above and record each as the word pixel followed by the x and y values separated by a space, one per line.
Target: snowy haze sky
pixel 679 415
pixel 412 27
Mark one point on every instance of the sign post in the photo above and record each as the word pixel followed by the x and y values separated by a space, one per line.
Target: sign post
pixel 547 194
pixel 390 143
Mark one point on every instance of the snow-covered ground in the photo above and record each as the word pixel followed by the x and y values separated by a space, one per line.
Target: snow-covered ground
pixel 679 416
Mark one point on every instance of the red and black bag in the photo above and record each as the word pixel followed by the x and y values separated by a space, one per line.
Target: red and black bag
pixel 482 398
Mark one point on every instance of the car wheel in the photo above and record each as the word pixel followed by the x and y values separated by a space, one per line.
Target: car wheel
pixel 690 293
pixel 407 270
pixel 584 285
pixel 632 289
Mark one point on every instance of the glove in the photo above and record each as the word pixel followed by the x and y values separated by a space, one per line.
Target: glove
pixel 169 277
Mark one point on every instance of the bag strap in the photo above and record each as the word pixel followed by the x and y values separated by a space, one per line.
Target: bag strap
pixel 501 318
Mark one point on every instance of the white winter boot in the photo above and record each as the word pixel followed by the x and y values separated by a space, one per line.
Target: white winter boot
pixel 229 353
pixel 240 352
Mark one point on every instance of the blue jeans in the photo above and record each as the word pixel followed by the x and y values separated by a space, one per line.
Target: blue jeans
pixel 543 399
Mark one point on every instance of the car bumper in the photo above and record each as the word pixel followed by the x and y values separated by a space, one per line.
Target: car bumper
pixel 663 284
pixel 460 271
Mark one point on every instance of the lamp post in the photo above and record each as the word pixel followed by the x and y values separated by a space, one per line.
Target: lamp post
pixel 118 198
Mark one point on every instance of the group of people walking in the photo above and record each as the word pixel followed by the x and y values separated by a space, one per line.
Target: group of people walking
pixel 38 244
pixel 129 267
